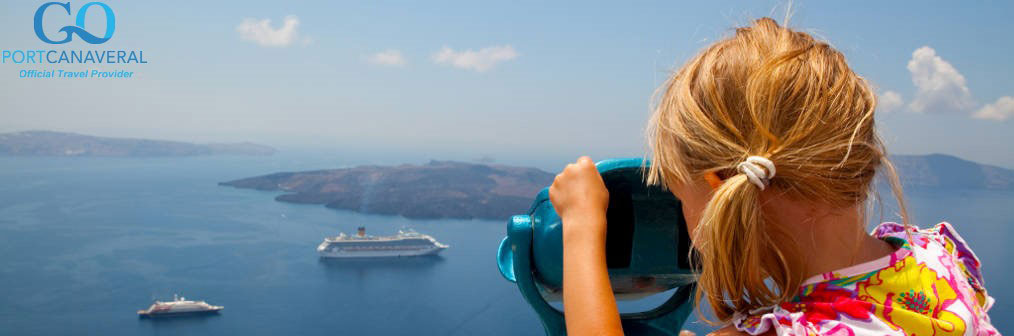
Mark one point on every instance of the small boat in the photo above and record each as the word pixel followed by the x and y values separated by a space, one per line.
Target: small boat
pixel 178 306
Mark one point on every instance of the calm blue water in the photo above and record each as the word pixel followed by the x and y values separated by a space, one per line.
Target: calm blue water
pixel 85 243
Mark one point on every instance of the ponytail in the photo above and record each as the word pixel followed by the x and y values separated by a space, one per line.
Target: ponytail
pixel 739 251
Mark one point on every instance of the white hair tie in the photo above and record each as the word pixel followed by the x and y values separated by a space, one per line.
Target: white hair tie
pixel 757 175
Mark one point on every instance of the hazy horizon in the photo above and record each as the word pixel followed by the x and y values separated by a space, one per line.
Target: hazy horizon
pixel 462 80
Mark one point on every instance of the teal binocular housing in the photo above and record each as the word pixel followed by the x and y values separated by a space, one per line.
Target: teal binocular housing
pixel 647 252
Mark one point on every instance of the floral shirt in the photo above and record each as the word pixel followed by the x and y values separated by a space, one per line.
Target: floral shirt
pixel 931 285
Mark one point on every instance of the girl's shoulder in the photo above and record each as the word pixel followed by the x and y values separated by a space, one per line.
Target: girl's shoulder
pixel 732 331
pixel 932 283
pixel 931 244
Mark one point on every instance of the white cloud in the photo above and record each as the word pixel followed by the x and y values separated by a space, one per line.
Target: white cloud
pixel 388 58
pixel 480 61
pixel 260 31
pixel 1000 110
pixel 939 86
pixel 890 101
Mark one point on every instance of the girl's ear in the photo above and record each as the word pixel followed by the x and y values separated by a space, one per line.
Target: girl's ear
pixel 713 180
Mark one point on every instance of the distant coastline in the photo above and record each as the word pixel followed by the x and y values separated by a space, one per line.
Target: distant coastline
pixel 438 189
pixel 448 189
pixel 49 143
pixel 941 171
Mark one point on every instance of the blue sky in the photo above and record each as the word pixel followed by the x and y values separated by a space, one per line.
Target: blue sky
pixel 459 80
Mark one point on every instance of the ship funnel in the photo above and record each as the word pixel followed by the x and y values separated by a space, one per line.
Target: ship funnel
pixel 361 231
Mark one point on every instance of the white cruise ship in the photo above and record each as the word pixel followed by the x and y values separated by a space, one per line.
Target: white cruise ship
pixel 178 306
pixel 404 244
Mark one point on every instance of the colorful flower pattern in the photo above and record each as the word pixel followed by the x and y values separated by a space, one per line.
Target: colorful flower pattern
pixel 932 285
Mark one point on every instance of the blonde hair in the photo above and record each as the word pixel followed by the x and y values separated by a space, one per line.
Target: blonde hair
pixel 773 92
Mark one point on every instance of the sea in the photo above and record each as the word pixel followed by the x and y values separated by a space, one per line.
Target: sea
pixel 86 242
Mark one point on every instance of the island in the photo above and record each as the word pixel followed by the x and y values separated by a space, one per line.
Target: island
pixel 449 189
pixel 438 189
pixel 49 143
pixel 941 171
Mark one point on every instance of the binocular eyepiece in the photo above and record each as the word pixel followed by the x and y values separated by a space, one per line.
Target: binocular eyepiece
pixel 647 251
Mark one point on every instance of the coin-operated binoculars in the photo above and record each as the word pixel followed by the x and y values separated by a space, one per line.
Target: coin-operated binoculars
pixel 647 248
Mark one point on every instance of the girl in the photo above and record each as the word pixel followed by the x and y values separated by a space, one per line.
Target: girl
pixel 768 139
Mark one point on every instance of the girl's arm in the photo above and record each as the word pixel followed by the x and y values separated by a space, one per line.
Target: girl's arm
pixel 580 198
pixel 587 293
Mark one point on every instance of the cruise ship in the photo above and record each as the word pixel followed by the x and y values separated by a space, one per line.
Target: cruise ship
pixel 178 306
pixel 404 244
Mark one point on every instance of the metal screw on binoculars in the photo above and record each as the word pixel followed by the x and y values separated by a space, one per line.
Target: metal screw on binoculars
pixel 647 248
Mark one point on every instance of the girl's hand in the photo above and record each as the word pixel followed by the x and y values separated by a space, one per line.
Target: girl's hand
pixel 579 196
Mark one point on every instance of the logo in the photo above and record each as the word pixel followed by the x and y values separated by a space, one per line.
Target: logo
pixel 69 63
pixel 79 25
